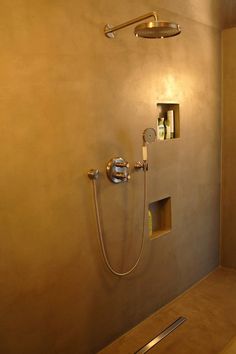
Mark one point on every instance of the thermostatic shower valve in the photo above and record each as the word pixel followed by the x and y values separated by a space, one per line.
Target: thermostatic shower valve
pixel 118 170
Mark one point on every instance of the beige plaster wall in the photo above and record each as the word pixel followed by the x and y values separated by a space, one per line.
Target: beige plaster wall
pixel 228 148
pixel 207 12
pixel 228 13
pixel 70 99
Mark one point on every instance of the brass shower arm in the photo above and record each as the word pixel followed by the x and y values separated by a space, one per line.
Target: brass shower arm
pixel 109 29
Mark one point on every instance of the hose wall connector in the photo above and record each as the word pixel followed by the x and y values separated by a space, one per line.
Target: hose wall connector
pixel 93 174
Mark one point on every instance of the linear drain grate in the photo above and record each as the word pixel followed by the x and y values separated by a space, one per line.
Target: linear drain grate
pixel 161 335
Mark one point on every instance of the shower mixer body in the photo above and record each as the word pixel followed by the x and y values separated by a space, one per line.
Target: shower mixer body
pixel 118 170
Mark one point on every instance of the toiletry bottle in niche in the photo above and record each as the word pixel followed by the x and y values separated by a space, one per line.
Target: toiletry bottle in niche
pixel 167 127
pixel 160 129
pixel 170 117
pixel 149 223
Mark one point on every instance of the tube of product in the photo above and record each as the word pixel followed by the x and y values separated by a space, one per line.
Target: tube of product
pixel 170 117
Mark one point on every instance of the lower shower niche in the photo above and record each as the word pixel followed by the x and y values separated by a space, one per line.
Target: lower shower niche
pixel 161 217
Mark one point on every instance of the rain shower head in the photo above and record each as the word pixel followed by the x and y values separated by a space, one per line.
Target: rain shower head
pixel 157 29
pixel 154 29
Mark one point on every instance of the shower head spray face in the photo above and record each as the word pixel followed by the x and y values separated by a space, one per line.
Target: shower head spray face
pixel 157 29
pixel 149 135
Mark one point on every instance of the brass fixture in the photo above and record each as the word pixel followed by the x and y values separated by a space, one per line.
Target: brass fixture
pixel 93 174
pixel 118 170
pixel 141 165
pixel 154 29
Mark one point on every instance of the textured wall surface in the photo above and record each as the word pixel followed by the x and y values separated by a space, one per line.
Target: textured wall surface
pixel 228 148
pixel 70 99
pixel 228 13
pixel 207 12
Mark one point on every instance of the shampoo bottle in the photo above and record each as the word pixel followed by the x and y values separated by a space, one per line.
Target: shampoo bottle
pixel 167 126
pixel 170 117
pixel 160 129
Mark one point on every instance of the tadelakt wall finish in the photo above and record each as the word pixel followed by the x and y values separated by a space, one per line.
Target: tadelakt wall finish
pixel 228 223
pixel 228 13
pixel 70 99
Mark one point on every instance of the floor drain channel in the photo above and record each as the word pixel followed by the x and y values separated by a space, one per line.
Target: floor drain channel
pixel 161 335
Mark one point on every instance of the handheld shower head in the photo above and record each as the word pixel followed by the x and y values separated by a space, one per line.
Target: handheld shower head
pixel 149 135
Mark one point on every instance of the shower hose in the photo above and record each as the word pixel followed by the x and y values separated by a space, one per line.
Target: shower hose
pixel 100 234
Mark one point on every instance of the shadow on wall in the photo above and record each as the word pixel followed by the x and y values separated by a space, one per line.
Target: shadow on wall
pixel 228 8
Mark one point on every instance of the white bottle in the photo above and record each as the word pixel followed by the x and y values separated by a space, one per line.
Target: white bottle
pixel 160 129
pixel 167 125
pixel 170 117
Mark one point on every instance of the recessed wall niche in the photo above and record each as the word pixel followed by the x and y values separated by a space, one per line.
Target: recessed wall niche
pixel 170 113
pixel 161 217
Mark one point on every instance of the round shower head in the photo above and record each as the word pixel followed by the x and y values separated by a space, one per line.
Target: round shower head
pixel 149 135
pixel 157 29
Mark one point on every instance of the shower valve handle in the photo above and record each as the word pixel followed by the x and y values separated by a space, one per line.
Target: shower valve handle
pixel 121 175
pixel 122 164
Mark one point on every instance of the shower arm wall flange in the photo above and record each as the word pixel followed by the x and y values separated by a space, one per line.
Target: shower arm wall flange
pixel 109 29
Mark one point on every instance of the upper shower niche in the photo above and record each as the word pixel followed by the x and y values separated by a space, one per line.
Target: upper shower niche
pixel 153 29
pixel 168 114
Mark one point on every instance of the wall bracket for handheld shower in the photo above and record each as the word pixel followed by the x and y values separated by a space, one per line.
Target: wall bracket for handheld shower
pixel 141 165
pixel 93 174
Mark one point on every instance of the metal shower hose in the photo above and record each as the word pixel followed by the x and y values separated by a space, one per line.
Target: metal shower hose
pixel 100 234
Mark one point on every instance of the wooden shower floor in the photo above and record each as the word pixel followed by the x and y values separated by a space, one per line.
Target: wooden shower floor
pixel 209 306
